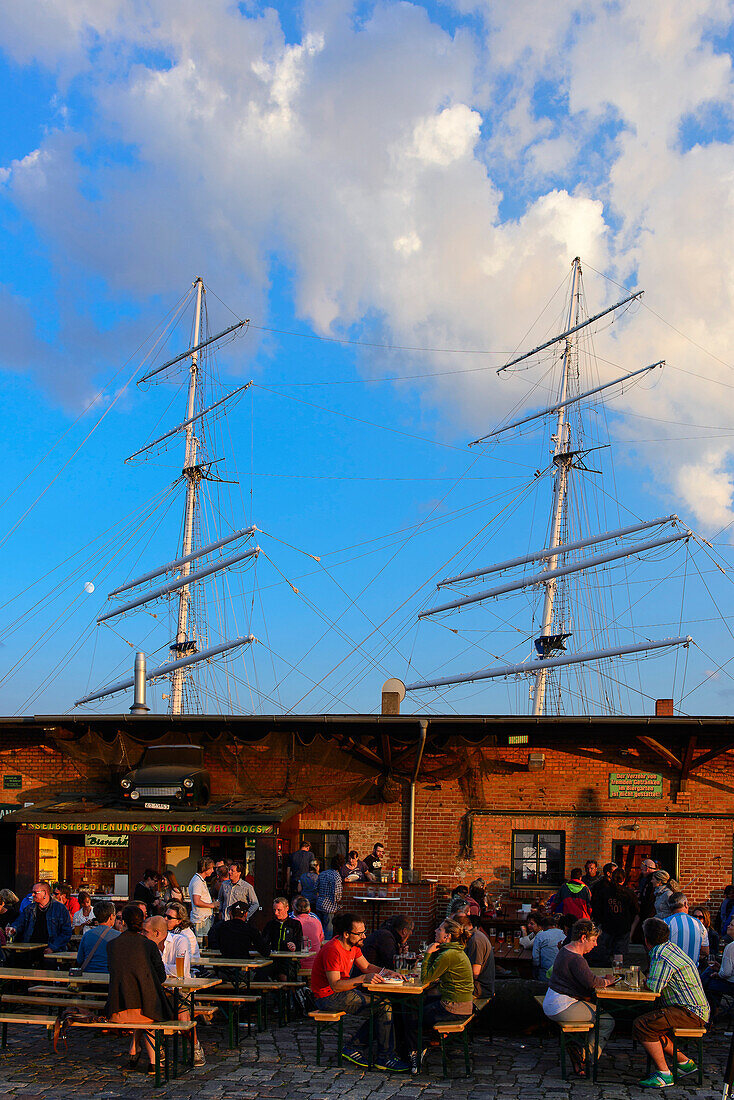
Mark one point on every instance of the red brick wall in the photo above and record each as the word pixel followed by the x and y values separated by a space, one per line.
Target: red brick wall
pixel 571 793
pixel 417 900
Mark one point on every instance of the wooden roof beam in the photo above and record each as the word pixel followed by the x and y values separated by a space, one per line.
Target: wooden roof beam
pixel 662 753
pixel 711 755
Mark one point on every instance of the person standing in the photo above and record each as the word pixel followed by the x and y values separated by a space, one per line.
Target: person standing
pixel 617 911
pixel 45 921
pixel 574 897
pixel 373 862
pixel 202 906
pixel 355 869
pixel 682 1003
pixel 646 888
pixel 665 887
pixel 236 888
pixel 308 880
pixel 328 895
pixel 298 862
pixel 591 875
pixel 145 890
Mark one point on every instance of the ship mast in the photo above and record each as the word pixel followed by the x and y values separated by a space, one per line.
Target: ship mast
pixel 183 645
pixel 562 460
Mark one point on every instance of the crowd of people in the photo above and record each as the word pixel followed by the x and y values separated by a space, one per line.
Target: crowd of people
pixel 592 922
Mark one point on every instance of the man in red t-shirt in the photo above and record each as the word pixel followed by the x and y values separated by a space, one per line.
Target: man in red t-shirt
pixel 335 991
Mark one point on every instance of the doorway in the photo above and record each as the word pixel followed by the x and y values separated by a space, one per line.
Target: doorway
pixel 629 854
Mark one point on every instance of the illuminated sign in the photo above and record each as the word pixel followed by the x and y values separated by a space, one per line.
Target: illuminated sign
pixel 146 827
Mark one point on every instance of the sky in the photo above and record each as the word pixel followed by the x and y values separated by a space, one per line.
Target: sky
pixel 392 194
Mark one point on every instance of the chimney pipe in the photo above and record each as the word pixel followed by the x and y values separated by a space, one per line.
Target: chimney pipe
pixel 139 706
pixel 393 693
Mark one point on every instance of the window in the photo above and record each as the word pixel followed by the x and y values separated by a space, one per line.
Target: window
pixel 325 845
pixel 538 859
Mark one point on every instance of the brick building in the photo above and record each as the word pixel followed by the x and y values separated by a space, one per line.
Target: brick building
pixel 517 800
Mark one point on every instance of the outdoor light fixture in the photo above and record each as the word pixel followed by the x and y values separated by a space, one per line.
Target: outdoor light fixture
pixel 536 761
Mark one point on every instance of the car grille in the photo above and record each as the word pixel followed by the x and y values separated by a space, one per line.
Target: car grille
pixel 152 792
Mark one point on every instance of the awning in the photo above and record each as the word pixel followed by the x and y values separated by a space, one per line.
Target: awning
pixel 80 817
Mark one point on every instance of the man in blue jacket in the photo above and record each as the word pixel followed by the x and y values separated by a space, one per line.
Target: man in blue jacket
pixel 45 922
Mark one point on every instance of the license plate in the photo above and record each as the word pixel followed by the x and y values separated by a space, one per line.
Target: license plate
pixel 157 806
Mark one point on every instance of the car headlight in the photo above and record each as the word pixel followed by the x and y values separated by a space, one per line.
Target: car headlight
pixel 188 783
pixel 135 794
pixel 126 784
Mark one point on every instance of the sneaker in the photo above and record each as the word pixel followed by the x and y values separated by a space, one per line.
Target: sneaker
pixel 657 1080
pixel 392 1064
pixel 416 1060
pixel 684 1068
pixel 356 1056
pixel 199 1059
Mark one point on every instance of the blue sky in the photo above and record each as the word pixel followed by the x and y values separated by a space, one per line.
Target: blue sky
pixel 414 176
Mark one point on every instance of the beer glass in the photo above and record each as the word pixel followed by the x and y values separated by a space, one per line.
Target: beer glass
pixel 181 966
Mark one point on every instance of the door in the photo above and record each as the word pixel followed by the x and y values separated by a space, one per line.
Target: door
pixel 629 854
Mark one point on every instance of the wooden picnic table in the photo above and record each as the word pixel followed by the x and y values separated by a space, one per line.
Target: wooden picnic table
pixel 509 956
pixel 409 994
pixel 616 994
pixel 184 989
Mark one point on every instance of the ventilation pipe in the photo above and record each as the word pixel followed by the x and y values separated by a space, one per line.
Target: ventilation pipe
pixel 393 693
pixel 139 706
pixel 411 804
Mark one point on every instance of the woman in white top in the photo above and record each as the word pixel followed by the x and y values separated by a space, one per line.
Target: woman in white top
pixel 179 925
pixel 85 914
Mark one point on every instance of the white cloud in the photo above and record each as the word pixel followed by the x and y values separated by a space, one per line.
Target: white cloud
pixel 377 152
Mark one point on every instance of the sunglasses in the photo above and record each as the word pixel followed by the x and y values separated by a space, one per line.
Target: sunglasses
pixel 171 916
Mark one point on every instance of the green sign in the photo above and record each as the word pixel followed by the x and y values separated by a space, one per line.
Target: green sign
pixel 12 782
pixel 105 840
pixel 635 785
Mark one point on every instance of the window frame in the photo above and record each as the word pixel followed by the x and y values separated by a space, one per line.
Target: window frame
pixel 516 881
pixel 322 834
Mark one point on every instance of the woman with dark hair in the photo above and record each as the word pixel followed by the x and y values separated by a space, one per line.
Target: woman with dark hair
pixel 168 888
pixel 711 938
pixel 137 974
pixel 478 893
pixel 389 940
pixel 571 990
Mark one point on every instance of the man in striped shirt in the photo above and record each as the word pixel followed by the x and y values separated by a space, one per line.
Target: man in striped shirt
pixel 682 1003
pixel 685 932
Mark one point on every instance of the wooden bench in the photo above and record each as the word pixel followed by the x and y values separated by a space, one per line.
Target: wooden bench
pixel 327 1021
pixel 54 1002
pixel 232 1002
pixel 584 1029
pixel 445 1030
pixel 163 1030
pixel 677 1033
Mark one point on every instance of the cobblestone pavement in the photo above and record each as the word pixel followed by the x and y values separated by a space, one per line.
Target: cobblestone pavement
pixel 280 1065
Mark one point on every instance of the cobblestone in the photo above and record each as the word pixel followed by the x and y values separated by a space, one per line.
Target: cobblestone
pixel 280 1065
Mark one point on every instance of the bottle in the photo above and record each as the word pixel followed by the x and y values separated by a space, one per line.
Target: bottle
pixel 400 874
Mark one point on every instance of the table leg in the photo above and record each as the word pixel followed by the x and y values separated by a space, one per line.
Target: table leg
pixel 370 1059
pixel 157 1056
pixel 420 1028
pixel 595 1060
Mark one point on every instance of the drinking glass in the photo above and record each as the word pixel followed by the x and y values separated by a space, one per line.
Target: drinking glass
pixel 493 936
pixel 501 936
pixel 181 966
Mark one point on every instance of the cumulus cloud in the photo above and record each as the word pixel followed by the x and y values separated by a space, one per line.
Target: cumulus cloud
pixel 439 180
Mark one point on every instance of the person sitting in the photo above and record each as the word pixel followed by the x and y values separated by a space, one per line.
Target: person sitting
pixel 530 931
pixel 685 931
pixel 459 899
pixel 682 1003
pixel 481 957
pixel 91 955
pixel 84 914
pixel 355 870
pixel 171 947
pixel 335 990
pixel 9 907
pixel 283 933
pixel 137 974
pixel 710 937
pixel 574 897
pixel 718 978
pixel 63 893
pixel 571 989
pixel 725 914
pixel 178 925
pixel 447 966
pixel 238 937
pixel 545 947
pixel 389 940
pixel 45 921
pixel 308 882
pixel 313 932
pixel 145 890
pixel 236 888
pixel 478 894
